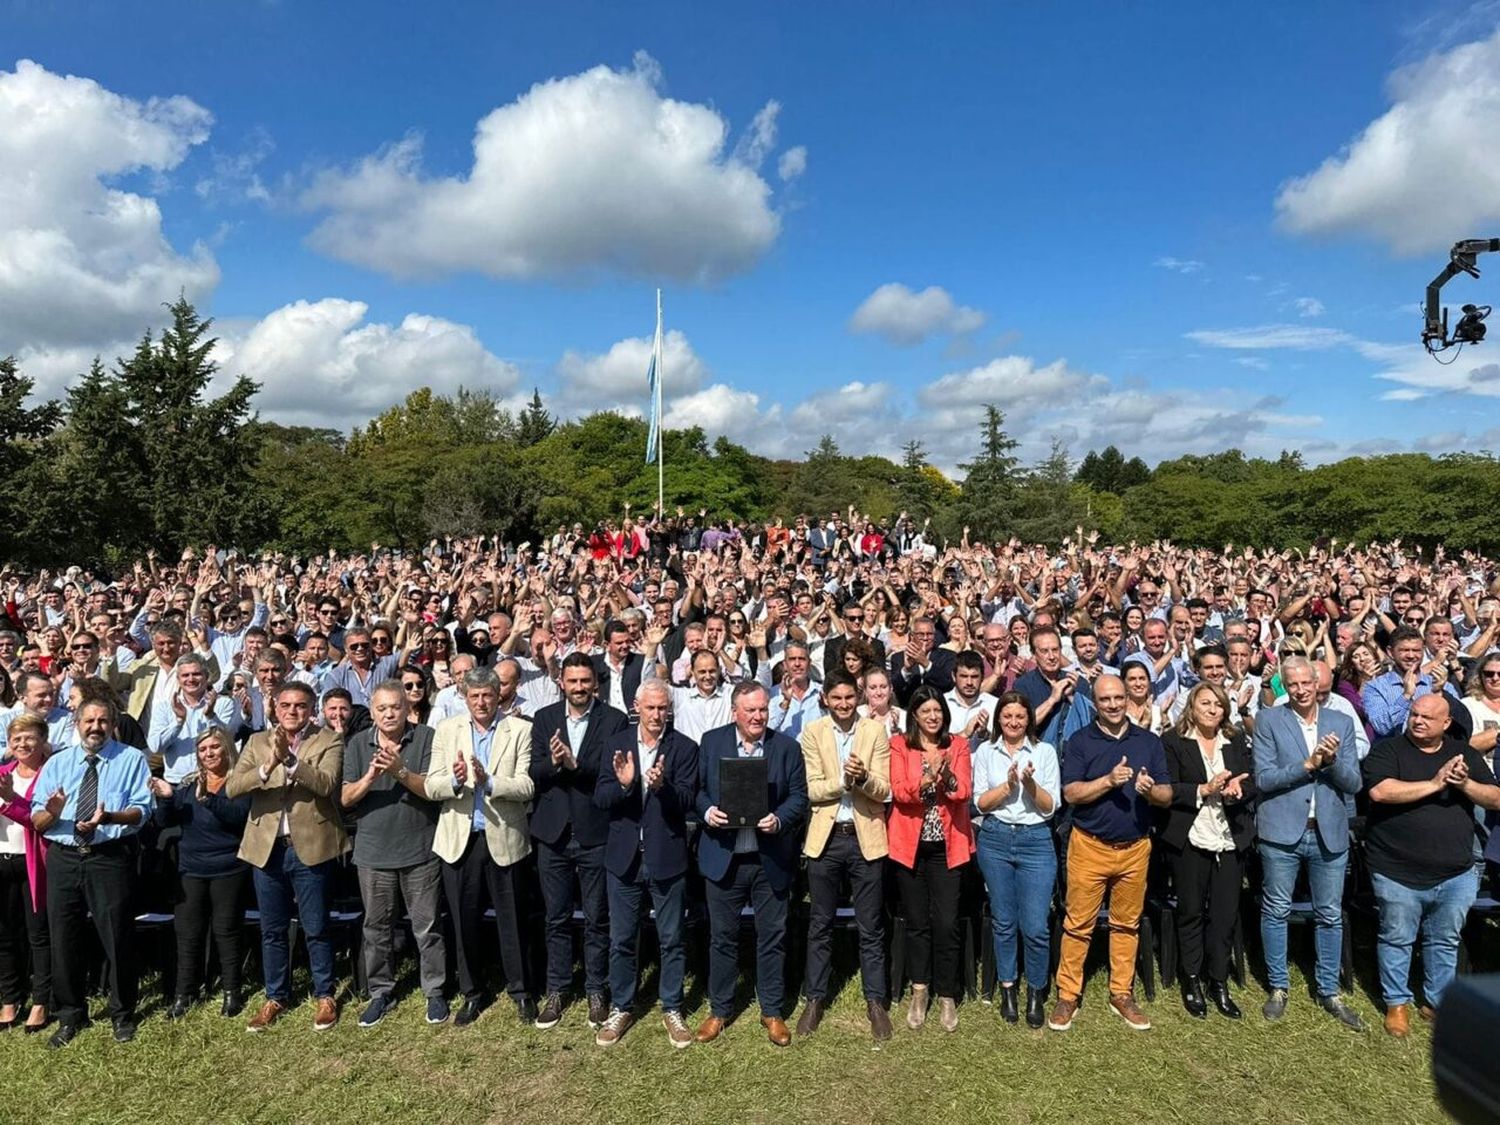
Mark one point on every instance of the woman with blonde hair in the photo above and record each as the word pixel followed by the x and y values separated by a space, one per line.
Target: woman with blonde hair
pixel 213 877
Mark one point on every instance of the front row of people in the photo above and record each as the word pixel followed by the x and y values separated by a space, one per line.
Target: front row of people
pixel 452 814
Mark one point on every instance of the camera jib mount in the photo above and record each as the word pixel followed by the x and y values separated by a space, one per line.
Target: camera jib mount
pixel 1470 327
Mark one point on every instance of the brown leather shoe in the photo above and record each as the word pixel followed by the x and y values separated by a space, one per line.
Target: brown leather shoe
pixel 1123 1005
pixel 327 1014
pixel 880 1021
pixel 1428 1013
pixel 269 1013
pixel 1062 1014
pixel 812 1016
pixel 709 1029
pixel 1398 1020
pixel 776 1030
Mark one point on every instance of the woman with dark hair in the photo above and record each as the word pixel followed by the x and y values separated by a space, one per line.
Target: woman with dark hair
pixel 1017 788
pixel 416 690
pixel 1361 664
pixel 1210 826
pixel 930 842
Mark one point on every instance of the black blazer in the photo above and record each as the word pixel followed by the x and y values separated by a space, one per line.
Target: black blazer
pixel 634 664
pixel 939 673
pixel 655 827
pixel 1186 772
pixel 565 798
pixel 786 780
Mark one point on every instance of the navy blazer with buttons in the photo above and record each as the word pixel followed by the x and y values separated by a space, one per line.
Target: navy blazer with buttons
pixel 565 798
pixel 786 778
pixel 654 827
pixel 630 676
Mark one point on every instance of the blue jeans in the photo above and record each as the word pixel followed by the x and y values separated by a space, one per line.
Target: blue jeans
pixel 627 901
pixel 285 879
pixel 1019 865
pixel 1325 877
pixel 1439 913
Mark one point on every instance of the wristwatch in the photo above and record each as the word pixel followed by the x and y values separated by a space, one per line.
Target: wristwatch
pixel 402 774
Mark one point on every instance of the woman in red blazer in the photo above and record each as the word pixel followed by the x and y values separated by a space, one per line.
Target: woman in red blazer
pixel 932 781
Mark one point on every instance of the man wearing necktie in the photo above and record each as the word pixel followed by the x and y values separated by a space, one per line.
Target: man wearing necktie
pixel 754 864
pixel 89 802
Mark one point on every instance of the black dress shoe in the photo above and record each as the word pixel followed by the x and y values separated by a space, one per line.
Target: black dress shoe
pixel 181 1006
pixel 1010 999
pixel 233 1004
pixel 124 1029
pixel 526 1010
pixel 467 1014
pixel 1218 992
pixel 1192 998
pixel 1036 1007
pixel 64 1035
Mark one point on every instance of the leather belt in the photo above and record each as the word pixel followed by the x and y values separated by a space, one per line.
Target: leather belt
pixel 844 827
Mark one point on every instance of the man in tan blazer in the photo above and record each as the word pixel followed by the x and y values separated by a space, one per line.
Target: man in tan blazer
pixel 294 837
pixel 848 762
pixel 479 770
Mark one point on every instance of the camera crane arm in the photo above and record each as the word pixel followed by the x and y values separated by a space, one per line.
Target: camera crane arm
pixel 1435 326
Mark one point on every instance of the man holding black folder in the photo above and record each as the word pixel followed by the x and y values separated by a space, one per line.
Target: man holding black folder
pixel 752 797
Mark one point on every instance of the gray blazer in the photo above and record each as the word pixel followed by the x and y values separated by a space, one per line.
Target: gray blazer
pixel 1286 789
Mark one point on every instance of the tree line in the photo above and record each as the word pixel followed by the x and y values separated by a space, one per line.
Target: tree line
pixel 140 456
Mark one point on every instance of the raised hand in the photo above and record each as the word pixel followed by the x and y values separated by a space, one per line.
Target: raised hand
pixel 460 772
pixel 159 787
pixel 1144 782
pixel 1234 787
pixel 1121 774
pixel 624 765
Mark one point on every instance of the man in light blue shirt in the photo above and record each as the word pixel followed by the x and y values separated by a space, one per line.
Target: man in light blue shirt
pixel 182 716
pixel 89 802
pixel 1388 697
pixel 794 703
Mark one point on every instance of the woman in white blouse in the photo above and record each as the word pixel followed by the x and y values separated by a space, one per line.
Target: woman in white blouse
pixel 880 701
pixel 1016 791
pixel 1483 704
pixel 1210 826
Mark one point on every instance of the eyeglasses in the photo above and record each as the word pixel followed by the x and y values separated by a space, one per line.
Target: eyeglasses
pixel 1412 620
pixel 279 623
pixel 82 647
pixel 326 612
pixel 380 640
pixel 413 686
pixel 1491 674
pixel 357 646
pixel 855 617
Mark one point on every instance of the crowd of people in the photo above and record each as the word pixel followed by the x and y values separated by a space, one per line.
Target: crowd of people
pixel 668 713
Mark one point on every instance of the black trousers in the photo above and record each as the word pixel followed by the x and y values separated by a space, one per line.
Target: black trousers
pixel 745 883
pixel 22 931
pixel 466 885
pixel 84 890
pixel 842 861
pixel 217 904
pixel 558 865
pixel 929 899
pixel 1208 902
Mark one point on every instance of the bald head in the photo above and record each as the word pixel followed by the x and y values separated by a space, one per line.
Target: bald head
pixel 1109 698
pixel 1428 720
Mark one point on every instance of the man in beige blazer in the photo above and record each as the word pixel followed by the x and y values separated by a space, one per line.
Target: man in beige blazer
pixel 848 762
pixel 479 771
pixel 292 841
pixel 139 684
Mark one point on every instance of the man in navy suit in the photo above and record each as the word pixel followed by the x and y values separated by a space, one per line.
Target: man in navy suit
pixel 567 750
pixel 751 864
pixel 1305 764
pixel 922 662
pixel 617 668
pixel 650 783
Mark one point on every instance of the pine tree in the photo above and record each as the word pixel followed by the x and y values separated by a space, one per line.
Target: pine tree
pixel 534 424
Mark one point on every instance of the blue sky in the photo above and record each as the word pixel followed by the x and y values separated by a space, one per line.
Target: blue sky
pixel 1172 226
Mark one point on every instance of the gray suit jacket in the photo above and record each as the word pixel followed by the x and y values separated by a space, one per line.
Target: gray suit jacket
pixel 1286 789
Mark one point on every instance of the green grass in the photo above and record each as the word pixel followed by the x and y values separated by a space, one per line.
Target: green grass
pixel 1303 1069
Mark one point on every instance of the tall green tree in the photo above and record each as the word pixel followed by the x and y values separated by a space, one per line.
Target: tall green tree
pixel 534 424
pixel 987 498
pixel 25 451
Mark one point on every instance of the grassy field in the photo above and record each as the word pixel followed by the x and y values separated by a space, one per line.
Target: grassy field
pixel 1304 1069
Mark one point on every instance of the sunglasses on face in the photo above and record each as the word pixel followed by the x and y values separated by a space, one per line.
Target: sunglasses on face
pixel 1491 673
pixel 414 686
pixel 358 646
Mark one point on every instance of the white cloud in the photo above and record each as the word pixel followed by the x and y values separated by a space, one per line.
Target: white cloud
pixel 1309 306
pixel 760 139
pixel 906 318
pixel 1178 265
pixel 1254 362
pixel 792 164
pixel 236 175
pixel 1423 173
pixel 81 261
pixel 616 379
pixel 1297 337
pixel 320 364
pixel 596 172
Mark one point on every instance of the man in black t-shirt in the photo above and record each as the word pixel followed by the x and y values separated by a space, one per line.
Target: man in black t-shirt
pixel 1423 788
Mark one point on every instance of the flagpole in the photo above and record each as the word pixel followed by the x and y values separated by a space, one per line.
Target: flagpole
pixel 660 443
